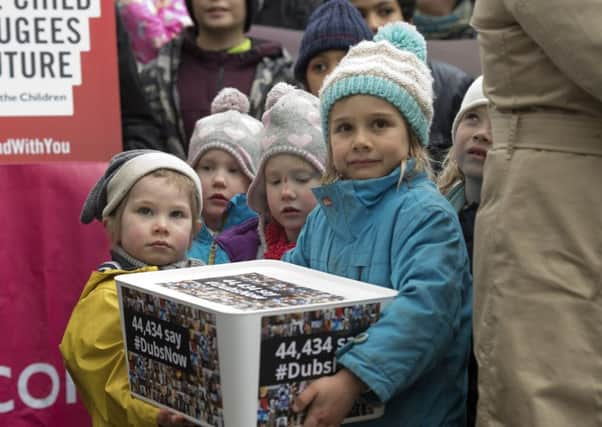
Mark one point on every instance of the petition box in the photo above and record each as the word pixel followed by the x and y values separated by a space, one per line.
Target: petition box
pixel 232 345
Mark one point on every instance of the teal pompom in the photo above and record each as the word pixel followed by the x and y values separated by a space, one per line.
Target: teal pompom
pixel 403 36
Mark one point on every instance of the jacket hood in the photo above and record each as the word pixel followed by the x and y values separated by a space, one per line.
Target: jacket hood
pixel 237 212
pixel 346 203
pixel 101 277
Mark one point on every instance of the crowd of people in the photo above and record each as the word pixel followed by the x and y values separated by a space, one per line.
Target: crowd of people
pixel 367 159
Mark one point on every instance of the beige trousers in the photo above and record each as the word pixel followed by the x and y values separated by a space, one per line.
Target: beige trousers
pixel 538 273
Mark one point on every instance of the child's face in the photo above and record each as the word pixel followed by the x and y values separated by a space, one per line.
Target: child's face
pixel 320 66
pixel 288 181
pixel 157 224
pixel 223 15
pixel 473 141
pixel 368 137
pixel 377 13
pixel 221 178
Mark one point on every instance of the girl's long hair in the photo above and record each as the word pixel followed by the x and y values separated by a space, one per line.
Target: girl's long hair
pixel 451 174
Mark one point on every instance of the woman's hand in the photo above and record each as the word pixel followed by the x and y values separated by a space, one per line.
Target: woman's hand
pixel 329 399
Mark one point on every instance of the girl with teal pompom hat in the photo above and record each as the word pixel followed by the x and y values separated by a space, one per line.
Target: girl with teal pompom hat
pixel 381 220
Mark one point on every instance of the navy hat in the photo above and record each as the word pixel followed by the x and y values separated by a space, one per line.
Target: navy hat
pixel 252 9
pixel 334 25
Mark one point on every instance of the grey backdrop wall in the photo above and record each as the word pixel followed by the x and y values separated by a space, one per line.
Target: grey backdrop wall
pixel 463 54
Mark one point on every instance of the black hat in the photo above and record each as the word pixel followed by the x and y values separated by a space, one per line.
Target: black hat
pixel 335 25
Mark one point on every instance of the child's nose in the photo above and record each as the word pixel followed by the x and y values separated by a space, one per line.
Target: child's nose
pixel 287 191
pixel 361 141
pixel 373 22
pixel 483 134
pixel 219 179
pixel 160 225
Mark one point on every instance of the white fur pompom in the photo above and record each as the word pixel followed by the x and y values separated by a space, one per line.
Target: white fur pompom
pixel 228 99
pixel 277 92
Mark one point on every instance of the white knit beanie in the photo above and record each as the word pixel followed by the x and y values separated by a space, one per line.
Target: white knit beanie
pixel 473 98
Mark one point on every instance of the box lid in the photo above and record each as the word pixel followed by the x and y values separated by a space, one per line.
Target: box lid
pixel 255 286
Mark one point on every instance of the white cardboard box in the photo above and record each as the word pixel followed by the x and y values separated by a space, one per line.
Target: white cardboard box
pixel 231 345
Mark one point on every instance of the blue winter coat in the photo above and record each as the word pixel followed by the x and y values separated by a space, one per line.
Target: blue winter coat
pixel 407 238
pixel 203 243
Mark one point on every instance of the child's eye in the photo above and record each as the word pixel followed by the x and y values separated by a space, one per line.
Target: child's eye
pixel 274 181
pixel 205 168
pixel 234 171
pixel 385 12
pixel 470 118
pixel 144 211
pixel 342 127
pixel 178 214
pixel 319 68
pixel 380 123
pixel 303 179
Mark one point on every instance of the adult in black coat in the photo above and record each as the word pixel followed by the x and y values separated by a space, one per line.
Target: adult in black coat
pixel 139 129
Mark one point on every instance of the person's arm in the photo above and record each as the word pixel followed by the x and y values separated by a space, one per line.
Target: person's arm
pixel 569 34
pixel 95 357
pixel 429 267
pixel 158 89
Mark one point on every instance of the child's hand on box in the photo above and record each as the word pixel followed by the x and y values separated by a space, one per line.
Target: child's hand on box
pixel 328 400
pixel 169 419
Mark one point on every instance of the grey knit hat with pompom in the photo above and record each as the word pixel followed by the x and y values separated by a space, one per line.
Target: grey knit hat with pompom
pixel 291 126
pixel 228 128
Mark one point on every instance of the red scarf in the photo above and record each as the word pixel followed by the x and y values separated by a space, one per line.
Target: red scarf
pixel 275 238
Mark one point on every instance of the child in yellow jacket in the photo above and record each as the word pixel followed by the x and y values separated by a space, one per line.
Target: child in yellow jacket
pixel 150 204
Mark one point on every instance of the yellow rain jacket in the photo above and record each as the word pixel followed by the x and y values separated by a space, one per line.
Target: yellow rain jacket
pixel 94 355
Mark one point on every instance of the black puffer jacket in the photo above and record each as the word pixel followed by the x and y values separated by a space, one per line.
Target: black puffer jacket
pixel 450 85
pixel 139 129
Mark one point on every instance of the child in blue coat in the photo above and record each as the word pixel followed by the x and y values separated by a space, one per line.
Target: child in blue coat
pixel 381 220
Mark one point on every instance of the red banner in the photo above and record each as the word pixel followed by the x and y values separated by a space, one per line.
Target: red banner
pixel 59 96
pixel 59 124
pixel 46 256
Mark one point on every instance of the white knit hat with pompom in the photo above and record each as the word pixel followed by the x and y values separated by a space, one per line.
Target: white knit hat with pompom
pixel 228 128
pixel 291 126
